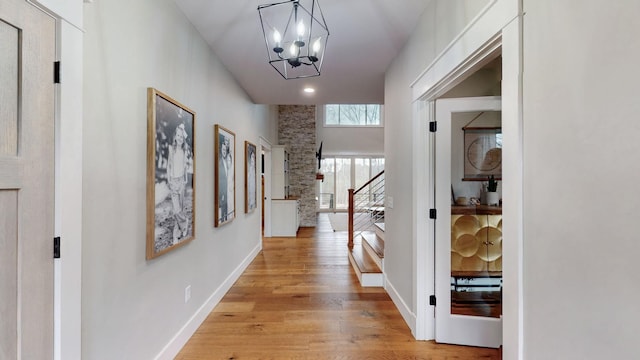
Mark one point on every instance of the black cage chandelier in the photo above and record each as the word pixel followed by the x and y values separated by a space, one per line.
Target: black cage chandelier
pixel 296 34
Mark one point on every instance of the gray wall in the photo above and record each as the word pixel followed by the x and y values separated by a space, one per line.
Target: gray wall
pixel 296 129
pixel 581 151
pixel 131 307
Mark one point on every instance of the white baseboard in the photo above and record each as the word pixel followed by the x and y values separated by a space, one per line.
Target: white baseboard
pixel 408 316
pixel 184 334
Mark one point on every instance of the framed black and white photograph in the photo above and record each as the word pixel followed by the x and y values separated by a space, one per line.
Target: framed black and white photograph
pixel 225 175
pixel 250 169
pixel 171 165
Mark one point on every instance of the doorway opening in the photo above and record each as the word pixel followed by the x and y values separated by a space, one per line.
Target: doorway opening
pixel 467 236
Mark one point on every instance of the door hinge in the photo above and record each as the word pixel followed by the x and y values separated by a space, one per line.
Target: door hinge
pixel 432 300
pixel 433 126
pixel 56 247
pixel 56 72
pixel 432 213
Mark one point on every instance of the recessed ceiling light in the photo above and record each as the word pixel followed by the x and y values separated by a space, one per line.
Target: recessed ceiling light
pixel 309 90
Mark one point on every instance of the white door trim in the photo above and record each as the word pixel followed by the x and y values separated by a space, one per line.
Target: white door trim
pixel 265 146
pixel 498 24
pixel 68 212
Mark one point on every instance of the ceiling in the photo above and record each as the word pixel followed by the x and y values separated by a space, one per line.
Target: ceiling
pixel 365 36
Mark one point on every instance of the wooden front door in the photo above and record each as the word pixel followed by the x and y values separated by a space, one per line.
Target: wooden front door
pixel 27 54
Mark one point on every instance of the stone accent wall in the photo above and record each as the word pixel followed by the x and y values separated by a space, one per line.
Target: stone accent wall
pixel 297 130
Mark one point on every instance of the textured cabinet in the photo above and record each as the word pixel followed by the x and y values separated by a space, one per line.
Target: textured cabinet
pixel 279 172
pixel 476 239
pixel 285 217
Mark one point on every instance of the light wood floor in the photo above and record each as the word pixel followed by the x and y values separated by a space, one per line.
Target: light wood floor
pixel 299 299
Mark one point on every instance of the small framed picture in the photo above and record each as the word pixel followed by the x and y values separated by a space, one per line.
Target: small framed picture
pixel 171 167
pixel 225 175
pixel 250 169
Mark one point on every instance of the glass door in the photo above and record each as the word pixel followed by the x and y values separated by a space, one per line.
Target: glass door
pixel 344 173
pixel 343 183
pixel 468 231
pixel 326 191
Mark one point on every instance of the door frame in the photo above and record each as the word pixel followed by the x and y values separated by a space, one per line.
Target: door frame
pixel 265 146
pixel 496 30
pixel 68 161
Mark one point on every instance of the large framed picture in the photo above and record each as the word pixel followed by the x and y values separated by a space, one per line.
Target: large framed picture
pixel 250 170
pixel 482 153
pixel 171 168
pixel 225 184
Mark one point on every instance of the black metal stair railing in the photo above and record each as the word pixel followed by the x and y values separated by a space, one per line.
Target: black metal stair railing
pixel 366 207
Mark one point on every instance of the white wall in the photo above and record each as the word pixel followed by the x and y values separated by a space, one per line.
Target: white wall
pixel 441 22
pixel 69 10
pixel 581 149
pixel 348 140
pixel 132 308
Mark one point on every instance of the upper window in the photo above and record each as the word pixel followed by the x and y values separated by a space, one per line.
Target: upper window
pixel 353 115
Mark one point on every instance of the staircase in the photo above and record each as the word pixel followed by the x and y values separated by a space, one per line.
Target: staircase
pixel 366 231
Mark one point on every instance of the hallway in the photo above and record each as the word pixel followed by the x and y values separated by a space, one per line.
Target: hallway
pixel 299 299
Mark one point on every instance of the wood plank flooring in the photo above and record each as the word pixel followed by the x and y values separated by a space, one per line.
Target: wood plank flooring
pixel 299 299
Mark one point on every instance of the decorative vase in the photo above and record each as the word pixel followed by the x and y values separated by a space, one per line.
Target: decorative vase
pixel 493 198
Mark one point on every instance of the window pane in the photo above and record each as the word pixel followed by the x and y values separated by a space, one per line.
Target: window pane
pixel 377 165
pixel 347 115
pixel 362 114
pixel 362 172
pixel 373 115
pixel 343 182
pixel 327 197
pixel 333 191
pixel 353 115
pixel 332 115
pixel 377 187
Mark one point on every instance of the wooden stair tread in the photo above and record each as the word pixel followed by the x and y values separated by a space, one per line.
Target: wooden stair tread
pixel 365 264
pixel 374 242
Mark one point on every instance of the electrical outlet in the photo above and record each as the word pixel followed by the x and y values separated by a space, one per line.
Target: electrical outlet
pixel 187 294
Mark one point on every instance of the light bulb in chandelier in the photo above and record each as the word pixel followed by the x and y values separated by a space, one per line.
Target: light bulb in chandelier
pixel 316 45
pixel 300 28
pixel 315 48
pixel 277 39
pixel 294 50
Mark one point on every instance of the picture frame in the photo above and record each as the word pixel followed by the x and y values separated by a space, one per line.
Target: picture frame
pixel 482 153
pixel 171 169
pixel 225 174
pixel 250 171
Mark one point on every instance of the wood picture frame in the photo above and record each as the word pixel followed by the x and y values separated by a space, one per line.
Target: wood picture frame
pixel 250 171
pixel 171 169
pixel 482 153
pixel 225 175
